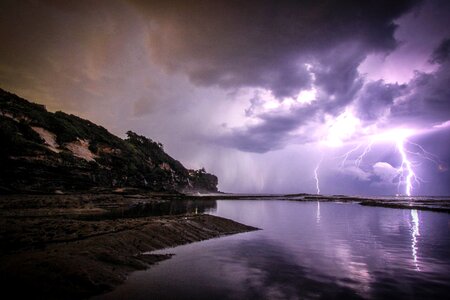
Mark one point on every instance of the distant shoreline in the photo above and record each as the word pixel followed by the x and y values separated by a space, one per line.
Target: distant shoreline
pixel 427 203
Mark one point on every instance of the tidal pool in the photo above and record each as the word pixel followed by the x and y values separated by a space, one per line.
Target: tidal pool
pixel 306 250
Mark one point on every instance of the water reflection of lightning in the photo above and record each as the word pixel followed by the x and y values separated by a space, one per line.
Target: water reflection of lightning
pixel 318 212
pixel 316 175
pixel 414 234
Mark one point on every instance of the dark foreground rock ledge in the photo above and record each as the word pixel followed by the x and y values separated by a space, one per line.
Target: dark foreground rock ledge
pixel 75 259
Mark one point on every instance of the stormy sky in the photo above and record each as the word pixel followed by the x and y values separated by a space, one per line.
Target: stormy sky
pixel 260 93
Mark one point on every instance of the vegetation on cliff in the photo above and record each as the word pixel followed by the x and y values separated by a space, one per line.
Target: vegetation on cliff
pixel 44 151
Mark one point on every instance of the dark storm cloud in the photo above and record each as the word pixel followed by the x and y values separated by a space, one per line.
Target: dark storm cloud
pixel 376 99
pixel 337 77
pixel 176 70
pixel 423 102
pixel 274 45
pixel 273 131
pixel 68 51
pixel 428 101
pixel 338 84
pixel 263 43
pixel 442 53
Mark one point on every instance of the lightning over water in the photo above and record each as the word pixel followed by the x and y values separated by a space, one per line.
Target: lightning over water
pixel 316 175
pixel 409 154
pixel 406 168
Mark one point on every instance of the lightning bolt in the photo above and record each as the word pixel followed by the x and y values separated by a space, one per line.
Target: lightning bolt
pixel 406 168
pixel 407 175
pixel 426 155
pixel 342 129
pixel 316 175
pixel 360 157
pixel 366 150
pixel 346 155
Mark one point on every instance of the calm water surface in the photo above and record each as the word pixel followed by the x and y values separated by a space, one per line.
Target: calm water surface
pixel 307 250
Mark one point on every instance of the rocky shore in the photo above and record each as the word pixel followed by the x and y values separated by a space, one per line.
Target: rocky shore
pixel 76 246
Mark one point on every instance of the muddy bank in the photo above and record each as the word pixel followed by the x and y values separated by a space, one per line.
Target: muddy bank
pixel 73 247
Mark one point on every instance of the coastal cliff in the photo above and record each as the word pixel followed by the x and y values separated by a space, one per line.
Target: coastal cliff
pixel 57 152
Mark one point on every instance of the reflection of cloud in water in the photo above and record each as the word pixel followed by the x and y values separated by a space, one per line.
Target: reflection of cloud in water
pixel 365 252
pixel 414 234
pixel 355 252
pixel 358 272
pixel 269 272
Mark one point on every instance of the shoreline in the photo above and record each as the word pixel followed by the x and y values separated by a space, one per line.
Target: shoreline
pixel 420 203
pixel 99 202
pixel 75 246
pixel 57 253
